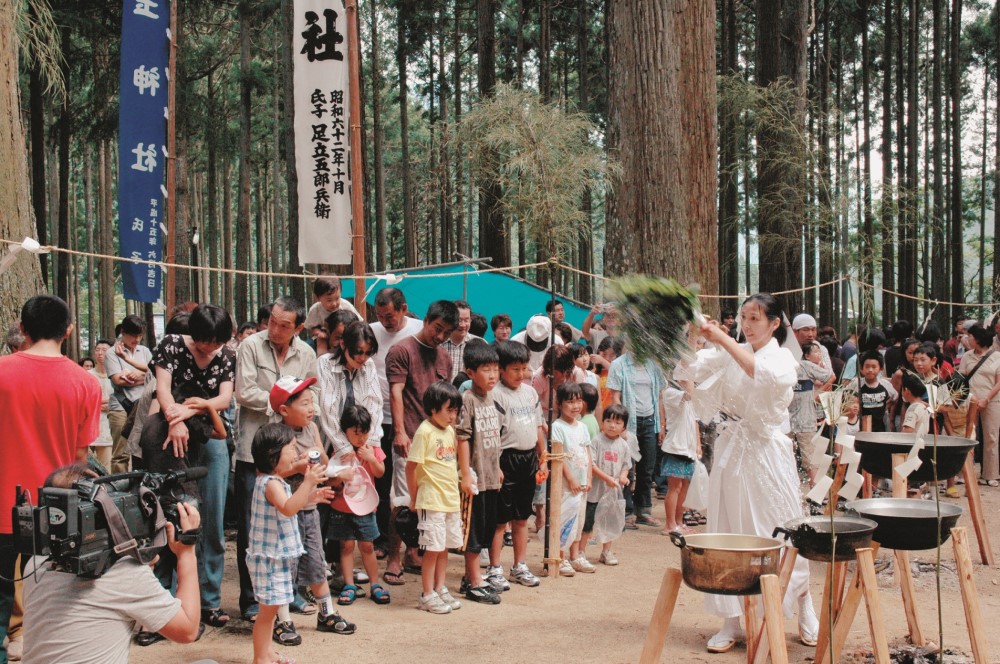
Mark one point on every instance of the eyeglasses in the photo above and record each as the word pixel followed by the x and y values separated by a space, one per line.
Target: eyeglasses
pixel 361 353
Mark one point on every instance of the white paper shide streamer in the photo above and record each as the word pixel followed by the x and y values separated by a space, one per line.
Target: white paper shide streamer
pixel 27 244
pixel 833 407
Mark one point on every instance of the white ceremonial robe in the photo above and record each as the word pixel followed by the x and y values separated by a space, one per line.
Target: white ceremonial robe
pixel 753 485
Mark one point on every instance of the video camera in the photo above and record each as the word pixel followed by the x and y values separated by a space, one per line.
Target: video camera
pixel 75 529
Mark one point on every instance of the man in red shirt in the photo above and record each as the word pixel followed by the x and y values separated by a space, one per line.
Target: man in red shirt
pixel 52 411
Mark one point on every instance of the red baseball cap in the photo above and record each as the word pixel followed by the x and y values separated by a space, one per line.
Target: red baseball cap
pixel 286 388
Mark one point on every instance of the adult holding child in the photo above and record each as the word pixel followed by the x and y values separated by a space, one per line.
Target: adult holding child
pixel 754 485
pixel 350 378
pixel 127 365
pixel 195 374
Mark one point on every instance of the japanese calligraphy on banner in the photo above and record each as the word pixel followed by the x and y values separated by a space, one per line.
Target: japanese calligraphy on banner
pixel 142 133
pixel 322 122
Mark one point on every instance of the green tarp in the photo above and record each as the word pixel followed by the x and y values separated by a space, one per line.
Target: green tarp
pixel 488 293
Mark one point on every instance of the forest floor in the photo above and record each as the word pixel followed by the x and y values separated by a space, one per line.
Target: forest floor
pixel 599 617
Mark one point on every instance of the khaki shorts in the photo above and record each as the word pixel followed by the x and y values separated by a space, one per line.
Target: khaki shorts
pixel 803 441
pixel 440 531
pixel 399 493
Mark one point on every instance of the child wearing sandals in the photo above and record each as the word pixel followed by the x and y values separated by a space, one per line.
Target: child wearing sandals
pixel 346 524
pixel 681 447
pixel 275 541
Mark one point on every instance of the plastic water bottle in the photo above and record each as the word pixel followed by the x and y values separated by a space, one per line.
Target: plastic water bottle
pixel 475 482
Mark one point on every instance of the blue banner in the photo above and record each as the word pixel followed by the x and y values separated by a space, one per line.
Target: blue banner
pixel 142 143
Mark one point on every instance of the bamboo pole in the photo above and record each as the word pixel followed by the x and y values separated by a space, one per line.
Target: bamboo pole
pixel 357 166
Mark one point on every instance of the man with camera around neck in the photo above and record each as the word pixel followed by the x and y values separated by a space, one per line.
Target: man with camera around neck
pixel 52 411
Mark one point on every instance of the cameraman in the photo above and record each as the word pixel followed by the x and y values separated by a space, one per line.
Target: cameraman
pixel 71 619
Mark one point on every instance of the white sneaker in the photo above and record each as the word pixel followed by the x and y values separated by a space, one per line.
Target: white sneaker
pixel 521 574
pixel 566 569
pixel 583 565
pixel 433 603
pixel 608 558
pixel 447 598
pixel 495 577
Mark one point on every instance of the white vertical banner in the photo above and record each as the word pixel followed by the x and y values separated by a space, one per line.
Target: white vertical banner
pixel 322 130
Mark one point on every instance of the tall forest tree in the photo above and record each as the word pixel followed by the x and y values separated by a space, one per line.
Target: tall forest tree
pixel 661 218
pixel 24 278
pixel 781 61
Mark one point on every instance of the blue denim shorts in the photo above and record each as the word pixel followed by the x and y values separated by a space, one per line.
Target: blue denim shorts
pixel 344 526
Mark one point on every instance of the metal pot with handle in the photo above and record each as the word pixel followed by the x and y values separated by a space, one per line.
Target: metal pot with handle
pixel 907 524
pixel 727 564
pixel 811 536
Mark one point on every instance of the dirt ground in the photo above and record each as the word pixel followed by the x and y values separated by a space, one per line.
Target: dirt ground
pixel 599 617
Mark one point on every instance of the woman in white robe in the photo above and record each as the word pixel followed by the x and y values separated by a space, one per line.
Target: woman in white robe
pixel 754 485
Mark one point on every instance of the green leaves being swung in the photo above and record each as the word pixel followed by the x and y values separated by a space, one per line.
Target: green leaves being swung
pixel 655 313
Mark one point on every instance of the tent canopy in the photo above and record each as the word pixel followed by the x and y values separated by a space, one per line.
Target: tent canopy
pixel 488 293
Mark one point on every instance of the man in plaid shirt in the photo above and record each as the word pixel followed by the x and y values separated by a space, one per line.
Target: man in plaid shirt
pixel 460 338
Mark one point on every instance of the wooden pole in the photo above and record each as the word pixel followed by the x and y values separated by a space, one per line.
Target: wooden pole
pixel 831 584
pixel 357 166
pixel 903 573
pixel 663 611
pixel 970 598
pixel 972 494
pixel 763 650
pixel 170 245
pixel 553 520
pixel 753 625
pixel 773 620
pixel 876 624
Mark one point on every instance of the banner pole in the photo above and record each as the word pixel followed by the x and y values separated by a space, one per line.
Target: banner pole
pixel 170 287
pixel 357 166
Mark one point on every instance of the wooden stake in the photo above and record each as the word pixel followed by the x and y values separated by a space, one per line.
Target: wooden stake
pixel 773 620
pixel 753 625
pixel 905 577
pixel 903 573
pixel 663 611
pixel 825 621
pixel 972 494
pixel 866 568
pixel 785 570
pixel 848 609
pixel 555 504
pixel 970 598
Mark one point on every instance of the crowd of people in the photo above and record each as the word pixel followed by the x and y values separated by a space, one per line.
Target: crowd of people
pixel 330 440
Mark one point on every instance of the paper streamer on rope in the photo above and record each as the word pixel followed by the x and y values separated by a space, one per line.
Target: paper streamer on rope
pixel 852 478
pixel 821 461
pixel 912 461
pixel 27 244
